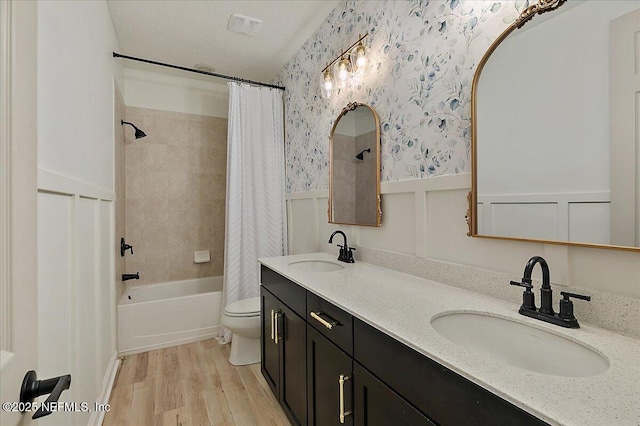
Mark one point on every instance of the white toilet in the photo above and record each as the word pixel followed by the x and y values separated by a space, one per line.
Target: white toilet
pixel 242 318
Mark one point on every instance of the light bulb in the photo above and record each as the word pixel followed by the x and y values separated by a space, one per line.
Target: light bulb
pixel 359 58
pixel 326 84
pixel 343 72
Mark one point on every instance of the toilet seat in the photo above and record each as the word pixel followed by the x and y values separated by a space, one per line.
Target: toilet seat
pixel 244 308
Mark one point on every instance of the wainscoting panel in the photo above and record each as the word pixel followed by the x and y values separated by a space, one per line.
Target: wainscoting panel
pixel 105 292
pixel 535 221
pixel 76 290
pixel 577 217
pixel 85 309
pixel 301 215
pixel 404 217
pixel 56 352
pixel 589 222
pixel 397 211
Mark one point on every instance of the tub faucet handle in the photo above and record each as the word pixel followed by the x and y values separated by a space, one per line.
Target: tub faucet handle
pixel 124 247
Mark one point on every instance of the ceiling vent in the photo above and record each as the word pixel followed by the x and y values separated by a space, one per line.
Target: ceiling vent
pixel 244 24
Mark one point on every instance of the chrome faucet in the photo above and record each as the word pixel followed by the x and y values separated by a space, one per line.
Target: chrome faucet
pixel 528 308
pixel 346 253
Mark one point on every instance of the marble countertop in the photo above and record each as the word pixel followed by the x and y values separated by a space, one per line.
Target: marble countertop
pixel 403 305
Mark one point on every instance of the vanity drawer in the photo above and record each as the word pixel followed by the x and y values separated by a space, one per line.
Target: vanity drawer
pixel 334 323
pixel 441 394
pixel 290 293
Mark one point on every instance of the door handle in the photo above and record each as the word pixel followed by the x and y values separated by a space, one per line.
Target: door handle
pixel 342 413
pixel 33 388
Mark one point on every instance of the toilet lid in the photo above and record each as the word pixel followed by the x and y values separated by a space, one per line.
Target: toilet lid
pixel 244 308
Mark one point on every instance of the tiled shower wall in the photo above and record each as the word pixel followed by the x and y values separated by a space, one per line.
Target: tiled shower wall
pixel 175 194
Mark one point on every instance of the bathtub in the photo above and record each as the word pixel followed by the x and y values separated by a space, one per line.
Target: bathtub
pixel 161 315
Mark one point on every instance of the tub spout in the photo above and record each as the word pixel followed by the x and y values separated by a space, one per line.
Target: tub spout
pixel 126 277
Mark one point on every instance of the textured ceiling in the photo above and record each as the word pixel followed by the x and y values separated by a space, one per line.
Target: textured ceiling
pixel 190 32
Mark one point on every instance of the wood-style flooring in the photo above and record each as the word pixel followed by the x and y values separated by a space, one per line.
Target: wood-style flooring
pixel 192 384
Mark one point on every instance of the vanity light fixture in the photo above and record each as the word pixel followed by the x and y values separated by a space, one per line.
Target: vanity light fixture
pixel 349 66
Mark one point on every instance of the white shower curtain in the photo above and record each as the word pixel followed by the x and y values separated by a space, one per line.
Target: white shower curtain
pixel 255 208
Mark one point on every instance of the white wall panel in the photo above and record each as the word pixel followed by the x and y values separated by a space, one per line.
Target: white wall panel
pixel 301 226
pixel 86 313
pixel 589 222
pixel 445 232
pixel 56 247
pixel 397 232
pixel 536 221
pixel 105 291
pixel 448 241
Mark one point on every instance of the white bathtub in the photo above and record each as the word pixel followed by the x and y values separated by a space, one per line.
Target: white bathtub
pixel 161 315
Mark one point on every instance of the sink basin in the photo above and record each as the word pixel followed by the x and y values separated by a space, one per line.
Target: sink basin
pixel 520 345
pixel 315 266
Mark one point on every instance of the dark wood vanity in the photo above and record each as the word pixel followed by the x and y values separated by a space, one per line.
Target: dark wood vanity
pixel 327 367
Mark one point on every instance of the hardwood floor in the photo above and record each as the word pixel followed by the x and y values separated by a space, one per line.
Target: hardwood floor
pixel 192 384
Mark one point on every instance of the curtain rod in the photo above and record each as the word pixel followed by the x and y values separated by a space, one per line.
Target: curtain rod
pixel 213 74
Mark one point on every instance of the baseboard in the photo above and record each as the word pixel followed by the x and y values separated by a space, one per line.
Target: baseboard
pixel 170 343
pixel 107 385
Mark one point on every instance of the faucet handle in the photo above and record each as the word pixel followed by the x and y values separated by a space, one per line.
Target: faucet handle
pixel 349 255
pixel 566 305
pixel 528 298
pixel 567 295
pixel 527 285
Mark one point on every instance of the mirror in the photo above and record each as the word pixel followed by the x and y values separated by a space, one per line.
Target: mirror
pixel 554 143
pixel 354 167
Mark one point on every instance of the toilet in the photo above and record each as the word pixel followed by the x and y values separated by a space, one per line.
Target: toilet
pixel 242 318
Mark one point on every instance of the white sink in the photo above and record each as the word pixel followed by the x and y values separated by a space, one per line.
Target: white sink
pixel 520 345
pixel 315 266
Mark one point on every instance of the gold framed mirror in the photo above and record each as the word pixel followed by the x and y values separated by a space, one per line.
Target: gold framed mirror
pixel 555 155
pixel 354 167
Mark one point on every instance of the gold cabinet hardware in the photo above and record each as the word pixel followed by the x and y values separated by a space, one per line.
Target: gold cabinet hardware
pixel 341 381
pixel 276 337
pixel 328 324
pixel 272 316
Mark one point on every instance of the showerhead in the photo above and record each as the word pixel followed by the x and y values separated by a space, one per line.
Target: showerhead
pixel 361 155
pixel 138 134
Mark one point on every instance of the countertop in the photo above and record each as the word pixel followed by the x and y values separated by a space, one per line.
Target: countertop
pixel 403 305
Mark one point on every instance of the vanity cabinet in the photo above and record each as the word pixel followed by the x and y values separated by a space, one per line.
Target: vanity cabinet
pixel 283 346
pixel 319 351
pixel 326 364
pixel 443 395
pixel 376 404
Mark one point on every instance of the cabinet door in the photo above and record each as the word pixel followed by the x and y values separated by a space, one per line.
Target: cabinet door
pixel 293 378
pixel 270 365
pixel 378 405
pixel 326 363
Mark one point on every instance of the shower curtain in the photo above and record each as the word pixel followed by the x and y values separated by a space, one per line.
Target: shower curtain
pixel 255 208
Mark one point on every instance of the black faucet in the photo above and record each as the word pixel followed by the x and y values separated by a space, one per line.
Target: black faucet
pixel 528 308
pixel 126 277
pixel 346 252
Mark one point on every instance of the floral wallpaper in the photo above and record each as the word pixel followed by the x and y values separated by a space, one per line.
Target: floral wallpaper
pixel 422 58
